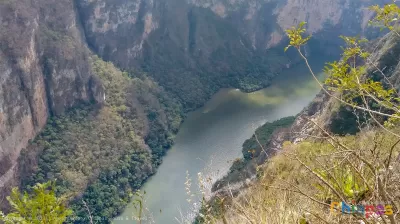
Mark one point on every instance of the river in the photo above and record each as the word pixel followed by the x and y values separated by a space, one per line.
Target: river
pixel 212 136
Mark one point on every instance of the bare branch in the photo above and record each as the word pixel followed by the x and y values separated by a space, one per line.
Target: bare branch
pixel 88 210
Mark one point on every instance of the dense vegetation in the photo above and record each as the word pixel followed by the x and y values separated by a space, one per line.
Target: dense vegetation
pixel 101 154
pixel 218 56
pixel 243 168
pixel 251 147
pixel 41 207
pixel 191 51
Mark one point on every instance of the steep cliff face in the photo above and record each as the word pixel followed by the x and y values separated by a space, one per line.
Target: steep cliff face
pixel 254 21
pixel 191 47
pixel 43 70
pixel 263 22
pixel 326 112
pixel 195 47
pixel 187 49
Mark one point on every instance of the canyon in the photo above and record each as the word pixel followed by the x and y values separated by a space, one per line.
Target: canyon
pixel 190 48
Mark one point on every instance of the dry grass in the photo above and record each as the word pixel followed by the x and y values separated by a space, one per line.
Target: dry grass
pixel 295 185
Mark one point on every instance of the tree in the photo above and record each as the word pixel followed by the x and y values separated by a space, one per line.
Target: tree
pixel 337 179
pixel 357 173
pixel 42 206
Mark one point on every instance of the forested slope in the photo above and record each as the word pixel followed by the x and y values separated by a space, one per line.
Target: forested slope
pixel 102 132
pixel 101 154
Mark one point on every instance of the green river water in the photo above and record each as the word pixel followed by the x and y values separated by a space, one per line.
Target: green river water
pixel 212 136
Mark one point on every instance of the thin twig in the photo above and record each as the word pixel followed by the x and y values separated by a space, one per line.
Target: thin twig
pixel 335 97
pixel 88 210
pixel 266 154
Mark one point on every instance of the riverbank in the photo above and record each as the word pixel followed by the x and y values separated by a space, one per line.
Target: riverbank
pixel 210 140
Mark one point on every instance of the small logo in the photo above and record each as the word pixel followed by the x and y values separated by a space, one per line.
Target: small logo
pixel 365 209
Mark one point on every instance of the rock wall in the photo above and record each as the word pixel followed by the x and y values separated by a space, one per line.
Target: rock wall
pixel 44 70
pixel 44 67
pixel 204 45
pixel 254 20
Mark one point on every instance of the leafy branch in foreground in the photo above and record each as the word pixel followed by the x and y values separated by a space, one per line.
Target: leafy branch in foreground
pixel 327 178
pixel 296 36
pixel 357 175
pixel 42 206
pixel 350 80
pixel 387 16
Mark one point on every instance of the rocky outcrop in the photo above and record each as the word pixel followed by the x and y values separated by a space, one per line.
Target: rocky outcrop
pixel 195 47
pixel 192 47
pixel 261 21
pixel 44 70
pixel 321 15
